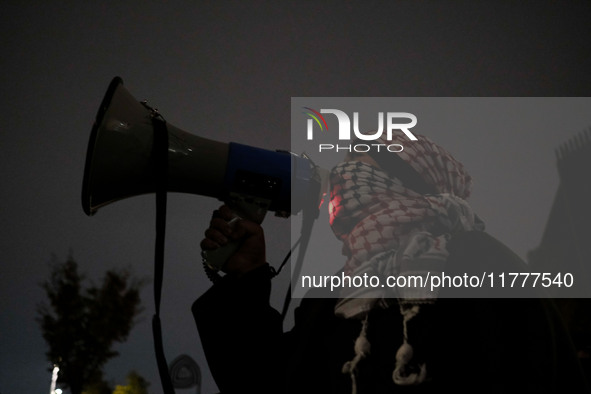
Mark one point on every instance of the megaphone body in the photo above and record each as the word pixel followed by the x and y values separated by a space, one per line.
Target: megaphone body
pixel 133 151
pixel 121 163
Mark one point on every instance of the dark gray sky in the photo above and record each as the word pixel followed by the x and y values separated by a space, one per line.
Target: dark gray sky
pixel 227 71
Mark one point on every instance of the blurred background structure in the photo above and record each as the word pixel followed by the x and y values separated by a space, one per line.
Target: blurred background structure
pixel 565 245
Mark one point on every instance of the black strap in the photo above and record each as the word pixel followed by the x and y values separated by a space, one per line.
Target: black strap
pixel 160 155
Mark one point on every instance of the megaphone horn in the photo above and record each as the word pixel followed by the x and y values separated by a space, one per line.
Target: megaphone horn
pixel 121 163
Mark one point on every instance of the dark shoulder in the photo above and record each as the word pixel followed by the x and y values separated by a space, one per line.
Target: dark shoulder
pixel 478 250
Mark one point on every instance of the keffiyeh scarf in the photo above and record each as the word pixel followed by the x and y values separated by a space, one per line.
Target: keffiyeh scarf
pixel 388 229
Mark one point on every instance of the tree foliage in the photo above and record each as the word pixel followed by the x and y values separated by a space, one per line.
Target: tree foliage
pixel 135 385
pixel 81 323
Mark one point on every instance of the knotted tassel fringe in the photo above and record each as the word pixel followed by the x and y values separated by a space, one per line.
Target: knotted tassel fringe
pixel 402 372
pixel 362 349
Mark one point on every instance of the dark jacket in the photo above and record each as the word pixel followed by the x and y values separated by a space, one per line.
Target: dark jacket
pixel 470 345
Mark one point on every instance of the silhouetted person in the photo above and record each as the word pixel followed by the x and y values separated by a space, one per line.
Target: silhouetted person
pixel 397 214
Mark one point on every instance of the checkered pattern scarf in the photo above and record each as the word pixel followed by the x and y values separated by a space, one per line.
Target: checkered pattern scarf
pixel 389 229
pixel 370 211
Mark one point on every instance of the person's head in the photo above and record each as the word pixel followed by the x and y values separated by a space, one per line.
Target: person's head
pixel 422 166
pixel 386 194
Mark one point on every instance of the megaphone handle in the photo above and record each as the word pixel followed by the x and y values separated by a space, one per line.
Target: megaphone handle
pixel 215 259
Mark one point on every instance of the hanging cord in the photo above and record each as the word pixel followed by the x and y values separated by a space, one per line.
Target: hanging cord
pixel 160 154
pixel 309 215
pixel 212 275
pixel 286 259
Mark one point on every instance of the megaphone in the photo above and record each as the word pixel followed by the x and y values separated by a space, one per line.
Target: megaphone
pixel 122 162
pixel 133 151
